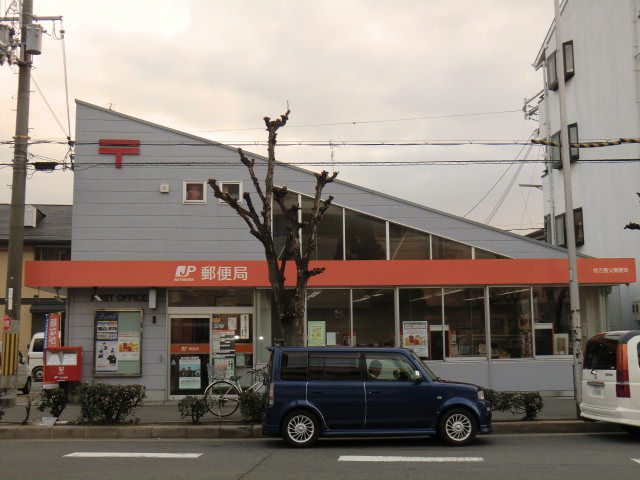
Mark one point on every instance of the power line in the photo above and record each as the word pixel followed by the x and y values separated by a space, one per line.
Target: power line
pixel 360 122
pixel 405 163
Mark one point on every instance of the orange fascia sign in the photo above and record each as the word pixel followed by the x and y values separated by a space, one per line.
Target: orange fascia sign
pixel 338 273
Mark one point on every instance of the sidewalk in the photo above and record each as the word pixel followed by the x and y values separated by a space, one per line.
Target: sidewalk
pixel 162 420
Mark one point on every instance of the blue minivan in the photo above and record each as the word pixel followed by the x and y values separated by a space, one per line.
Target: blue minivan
pixel 349 391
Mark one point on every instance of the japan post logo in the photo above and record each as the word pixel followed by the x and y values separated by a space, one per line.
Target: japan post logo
pixel 183 271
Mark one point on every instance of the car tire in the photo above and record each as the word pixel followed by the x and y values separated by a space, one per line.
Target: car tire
pixel 457 427
pixel 27 386
pixel 300 429
pixel 36 374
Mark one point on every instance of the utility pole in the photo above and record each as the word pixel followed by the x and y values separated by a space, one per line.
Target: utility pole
pixel 574 291
pixel 13 297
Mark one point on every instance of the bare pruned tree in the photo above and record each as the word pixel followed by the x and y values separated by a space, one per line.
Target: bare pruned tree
pixel 289 303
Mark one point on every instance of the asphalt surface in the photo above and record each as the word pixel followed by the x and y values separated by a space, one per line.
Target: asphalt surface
pixel 162 420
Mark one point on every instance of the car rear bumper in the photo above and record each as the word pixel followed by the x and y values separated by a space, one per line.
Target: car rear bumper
pixel 627 416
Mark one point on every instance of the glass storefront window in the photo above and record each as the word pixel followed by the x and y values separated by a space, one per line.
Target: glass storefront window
pixel 484 254
pixel 511 333
pixel 236 297
pixel 408 244
pixel 332 308
pixel 280 223
pixel 464 318
pixel 552 316
pixel 366 237
pixel 263 325
pixel 445 249
pixel 425 304
pixel 373 318
pixel 329 238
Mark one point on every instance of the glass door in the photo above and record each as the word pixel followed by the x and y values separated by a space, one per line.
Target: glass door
pixel 189 354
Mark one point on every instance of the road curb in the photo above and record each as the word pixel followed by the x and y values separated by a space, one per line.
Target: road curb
pixel 39 432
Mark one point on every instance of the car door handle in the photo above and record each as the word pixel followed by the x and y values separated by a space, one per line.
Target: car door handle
pixel 374 392
pixel 317 392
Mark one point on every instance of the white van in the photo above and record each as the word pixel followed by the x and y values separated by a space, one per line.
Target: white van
pixel 611 379
pixel 23 379
pixel 34 356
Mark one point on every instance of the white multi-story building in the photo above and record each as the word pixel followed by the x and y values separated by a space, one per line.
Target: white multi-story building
pixel 601 46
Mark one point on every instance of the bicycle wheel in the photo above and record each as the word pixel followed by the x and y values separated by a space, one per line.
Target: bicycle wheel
pixel 223 398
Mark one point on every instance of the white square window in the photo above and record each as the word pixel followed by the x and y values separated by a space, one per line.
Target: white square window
pixel 194 192
pixel 234 189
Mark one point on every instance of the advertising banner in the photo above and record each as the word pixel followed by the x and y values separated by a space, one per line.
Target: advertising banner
pixel 414 337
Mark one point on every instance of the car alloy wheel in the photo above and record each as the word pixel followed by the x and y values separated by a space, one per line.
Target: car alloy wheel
pixel 301 429
pixel 457 427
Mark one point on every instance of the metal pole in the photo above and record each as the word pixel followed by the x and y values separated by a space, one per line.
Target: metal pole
pixel 13 295
pixel 574 291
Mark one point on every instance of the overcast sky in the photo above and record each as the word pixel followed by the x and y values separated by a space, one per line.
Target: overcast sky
pixel 350 70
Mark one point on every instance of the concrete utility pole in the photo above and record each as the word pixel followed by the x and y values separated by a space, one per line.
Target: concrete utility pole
pixel 13 297
pixel 574 291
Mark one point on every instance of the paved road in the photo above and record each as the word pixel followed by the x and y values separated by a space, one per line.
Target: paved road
pixel 536 457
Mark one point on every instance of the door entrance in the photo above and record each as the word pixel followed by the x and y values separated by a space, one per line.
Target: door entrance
pixel 204 346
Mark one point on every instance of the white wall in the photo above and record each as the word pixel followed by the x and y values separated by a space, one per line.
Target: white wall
pixel 603 98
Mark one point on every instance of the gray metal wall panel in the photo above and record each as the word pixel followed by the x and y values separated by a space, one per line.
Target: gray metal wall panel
pixel 553 375
pixel 81 331
pixel 120 214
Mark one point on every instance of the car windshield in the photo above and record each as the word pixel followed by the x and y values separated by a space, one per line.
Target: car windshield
pixel 432 375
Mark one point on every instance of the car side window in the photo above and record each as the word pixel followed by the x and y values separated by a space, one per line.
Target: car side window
pixel 389 367
pixel 38 345
pixel 293 366
pixel 335 366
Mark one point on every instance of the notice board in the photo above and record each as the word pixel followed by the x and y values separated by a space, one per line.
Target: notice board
pixel 118 341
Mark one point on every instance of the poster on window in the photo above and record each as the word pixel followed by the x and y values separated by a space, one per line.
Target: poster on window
pixel 244 326
pixel 189 373
pixel 223 367
pixel 414 337
pixel 317 334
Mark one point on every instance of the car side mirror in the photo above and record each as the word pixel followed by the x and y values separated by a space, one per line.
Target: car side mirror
pixel 417 376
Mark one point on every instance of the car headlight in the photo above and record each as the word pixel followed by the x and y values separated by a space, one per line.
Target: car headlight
pixel 480 394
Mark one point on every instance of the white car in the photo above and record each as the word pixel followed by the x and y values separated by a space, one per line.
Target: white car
pixel 611 379
pixel 34 356
pixel 23 382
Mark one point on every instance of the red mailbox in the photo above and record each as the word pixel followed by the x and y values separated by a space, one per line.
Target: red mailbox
pixel 63 364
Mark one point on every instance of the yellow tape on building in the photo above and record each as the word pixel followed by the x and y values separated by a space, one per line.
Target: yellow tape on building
pixel 9 354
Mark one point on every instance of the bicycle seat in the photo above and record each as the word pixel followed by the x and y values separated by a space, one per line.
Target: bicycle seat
pixel 235 378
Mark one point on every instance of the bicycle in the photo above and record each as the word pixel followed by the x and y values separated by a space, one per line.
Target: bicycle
pixel 223 396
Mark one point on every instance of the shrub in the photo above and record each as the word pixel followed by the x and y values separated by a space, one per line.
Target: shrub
pixel 251 406
pixel 54 400
pixel 104 403
pixel 194 406
pixel 527 403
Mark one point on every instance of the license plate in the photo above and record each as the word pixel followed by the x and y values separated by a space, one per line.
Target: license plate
pixel 597 390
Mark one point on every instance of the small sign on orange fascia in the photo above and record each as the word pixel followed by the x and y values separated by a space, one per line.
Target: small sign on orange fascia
pixel 197 348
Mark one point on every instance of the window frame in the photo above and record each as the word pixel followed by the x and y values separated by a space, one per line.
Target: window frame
pixel 567 53
pixel 552 71
pixel 578 227
pixel 185 189
pixel 223 184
